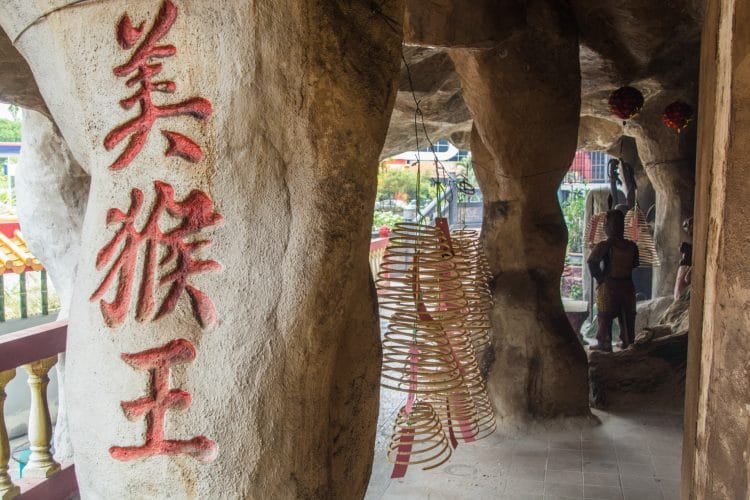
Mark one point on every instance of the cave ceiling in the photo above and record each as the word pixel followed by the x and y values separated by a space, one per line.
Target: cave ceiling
pixel 653 46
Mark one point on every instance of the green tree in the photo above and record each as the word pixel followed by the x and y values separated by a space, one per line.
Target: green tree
pixel 381 219
pixel 10 130
pixel 573 210
pixel 391 182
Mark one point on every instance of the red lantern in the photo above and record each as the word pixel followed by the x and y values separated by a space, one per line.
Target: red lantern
pixel 625 102
pixel 677 115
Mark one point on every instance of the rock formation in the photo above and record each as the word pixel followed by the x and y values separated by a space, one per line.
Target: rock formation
pixel 52 191
pixel 540 367
pixel 285 384
pixel 652 46
pixel 651 373
pixel 716 403
pixel 669 161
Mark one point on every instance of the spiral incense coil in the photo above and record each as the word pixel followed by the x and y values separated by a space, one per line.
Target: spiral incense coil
pixel 637 230
pixel 478 329
pixel 458 415
pixel 472 238
pixel 477 321
pixel 477 325
pixel 418 274
pixel 595 229
pixel 484 265
pixel 432 287
pixel 464 354
pixel 418 438
pixel 472 271
pixel 486 424
pixel 417 357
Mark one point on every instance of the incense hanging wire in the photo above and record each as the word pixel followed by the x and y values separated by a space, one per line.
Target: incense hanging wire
pixel 376 9
pixel 463 185
pixel 419 120
pixel 417 114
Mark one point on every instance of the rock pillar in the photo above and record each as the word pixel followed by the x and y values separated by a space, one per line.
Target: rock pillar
pixel 669 161
pixel 52 193
pixel 223 337
pixel 717 414
pixel 525 98
pixel 52 190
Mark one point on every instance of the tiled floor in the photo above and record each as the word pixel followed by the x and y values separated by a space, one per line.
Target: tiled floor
pixel 629 456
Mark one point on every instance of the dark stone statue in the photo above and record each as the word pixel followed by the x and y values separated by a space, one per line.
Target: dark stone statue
pixel 611 264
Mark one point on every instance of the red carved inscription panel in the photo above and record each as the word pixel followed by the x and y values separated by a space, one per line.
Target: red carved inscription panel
pixel 142 68
pixel 194 213
pixel 161 398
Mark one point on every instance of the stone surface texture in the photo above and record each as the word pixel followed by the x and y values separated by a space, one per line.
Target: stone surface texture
pixel 539 365
pixel 436 87
pixel 52 191
pixel 651 373
pixel 286 384
pixel 716 446
pixel 651 311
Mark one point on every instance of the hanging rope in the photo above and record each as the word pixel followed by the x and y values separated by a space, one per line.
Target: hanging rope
pixel 419 120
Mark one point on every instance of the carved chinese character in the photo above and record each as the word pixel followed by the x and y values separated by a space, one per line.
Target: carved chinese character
pixel 195 212
pixel 158 362
pixel 143 68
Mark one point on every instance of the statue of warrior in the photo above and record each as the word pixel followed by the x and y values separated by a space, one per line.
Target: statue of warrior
pixel 611 264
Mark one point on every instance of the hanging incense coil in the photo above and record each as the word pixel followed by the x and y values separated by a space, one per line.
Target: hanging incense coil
pixel 484 267
pixel 418 274
pixel 477 415
pixel 464 354
pixel 473 274
pixel 434 285
pixel 637 230
pixel 456 409
pixel 457 413
pixel 459 410
pixel 418 438
pixel 595 232
pixel 486 423
pixel 417 357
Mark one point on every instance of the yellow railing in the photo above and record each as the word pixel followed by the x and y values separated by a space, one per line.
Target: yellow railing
pixel 35 351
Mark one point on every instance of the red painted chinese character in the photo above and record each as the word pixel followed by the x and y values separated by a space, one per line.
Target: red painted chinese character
pixel 158 362
pixel 141 63
pixel 195 212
